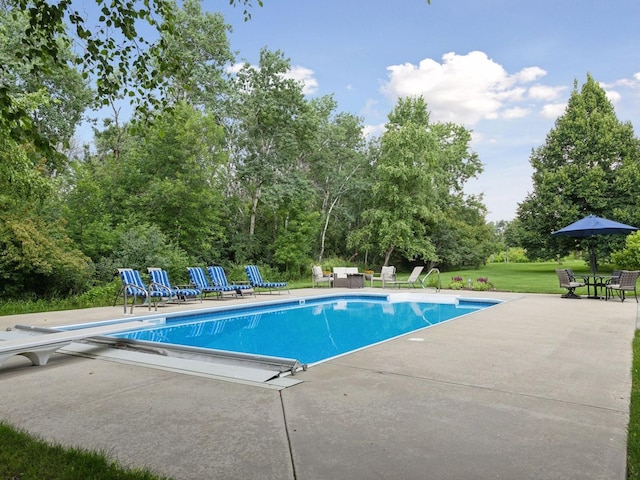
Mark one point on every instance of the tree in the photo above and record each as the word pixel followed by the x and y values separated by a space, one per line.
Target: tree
pixel 198 50
pixel 119 58
pixel 403 197
pixel 166 176
pixel 337 161
pixel 586 167
pixel 267 131
pixel 419 180
pixel 36 255
pixel 62 94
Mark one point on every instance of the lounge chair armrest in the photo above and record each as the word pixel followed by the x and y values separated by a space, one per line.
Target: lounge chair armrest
pixel 160 287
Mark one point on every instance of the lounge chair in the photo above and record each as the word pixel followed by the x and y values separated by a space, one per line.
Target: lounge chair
pixel 566 281
pixel 256 281
pixel 412 281
pixel 219 279
pixel 387 274
pixel 317 276
pixel 626 282
pixel 133 287
pixel 201 282
pixel 180 293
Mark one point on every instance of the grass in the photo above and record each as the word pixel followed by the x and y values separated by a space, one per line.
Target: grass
pixel 633 439
pixel 23 457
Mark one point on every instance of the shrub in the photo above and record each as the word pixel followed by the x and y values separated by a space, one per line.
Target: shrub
pixel 629 257
pixel 516 255
pixel 481 284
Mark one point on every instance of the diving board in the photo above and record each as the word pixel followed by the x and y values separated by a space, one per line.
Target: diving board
pixel 39 348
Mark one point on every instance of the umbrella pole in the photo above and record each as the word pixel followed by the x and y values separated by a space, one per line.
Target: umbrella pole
pixel 593 261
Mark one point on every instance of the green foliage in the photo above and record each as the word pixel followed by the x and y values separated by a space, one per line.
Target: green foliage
pixel 145 245
pixel 241 167
pixel 24 456
pixel 292 249
pixel 633 439
pixel 629 257
pixel 514 255
pixel 481 285
pixel 419 177
pixel 589 165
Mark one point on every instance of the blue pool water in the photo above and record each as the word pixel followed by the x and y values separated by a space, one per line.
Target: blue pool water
pixel 309 330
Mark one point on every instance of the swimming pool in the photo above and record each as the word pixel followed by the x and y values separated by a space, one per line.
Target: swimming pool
pixel 309 330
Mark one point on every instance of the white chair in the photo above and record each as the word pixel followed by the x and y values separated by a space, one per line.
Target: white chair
pixel 387 274
pixel 318 276
pixel 412 281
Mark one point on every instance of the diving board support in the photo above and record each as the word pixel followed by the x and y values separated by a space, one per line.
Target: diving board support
pixel 39 348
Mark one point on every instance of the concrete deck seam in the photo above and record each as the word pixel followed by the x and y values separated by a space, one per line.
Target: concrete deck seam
pixel 481 387
pixel 286 430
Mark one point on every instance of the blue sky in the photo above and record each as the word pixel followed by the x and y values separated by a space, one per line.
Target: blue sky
pixel 502 68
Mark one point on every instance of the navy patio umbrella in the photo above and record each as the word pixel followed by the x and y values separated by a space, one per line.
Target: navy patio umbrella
pixel 590 226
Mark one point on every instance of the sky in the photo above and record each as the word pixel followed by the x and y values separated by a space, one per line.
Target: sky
pixel 502 68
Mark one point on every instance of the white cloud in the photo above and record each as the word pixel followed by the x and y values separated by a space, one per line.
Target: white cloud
pixel 544 92
pixel 530 74
pixel 613 96
pixel 235 68
pixel 466 88
pixel 373 130
pixel 553 110
pixel 306 76
pixel 516 112
pixel 301 74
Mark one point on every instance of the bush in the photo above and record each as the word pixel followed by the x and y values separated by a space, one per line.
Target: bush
pixel 516 255
pixel 481 285
pixel 629 257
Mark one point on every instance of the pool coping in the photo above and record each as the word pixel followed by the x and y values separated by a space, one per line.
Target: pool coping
pixel 250 369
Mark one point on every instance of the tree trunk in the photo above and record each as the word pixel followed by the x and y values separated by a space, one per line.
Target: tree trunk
pixel 387 256
pixel 323 236
pixel 254 209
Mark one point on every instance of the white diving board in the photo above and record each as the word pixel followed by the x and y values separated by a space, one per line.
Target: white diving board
pixel 39 348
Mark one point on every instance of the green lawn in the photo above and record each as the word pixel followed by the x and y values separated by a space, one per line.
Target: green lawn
pixel 23 457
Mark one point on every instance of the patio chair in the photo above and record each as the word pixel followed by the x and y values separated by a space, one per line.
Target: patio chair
pixel 387 274
pixel 565 279
pixel 133 287
pixel 317 276
pixel 201 282
pixel 219 279
pixel 626 282
pixel 256 281
pixel 181 293
pixel 412 281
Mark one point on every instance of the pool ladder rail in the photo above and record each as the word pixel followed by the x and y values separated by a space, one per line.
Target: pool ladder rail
pixel 433 270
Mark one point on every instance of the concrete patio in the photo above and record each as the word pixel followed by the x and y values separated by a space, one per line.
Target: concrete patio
pixel 535 388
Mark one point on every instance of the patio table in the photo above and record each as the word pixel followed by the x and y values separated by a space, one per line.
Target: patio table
pixel 596 281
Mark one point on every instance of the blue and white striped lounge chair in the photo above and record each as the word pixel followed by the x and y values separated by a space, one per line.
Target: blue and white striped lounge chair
pixel 201 282
pixel 180 293
pixel 219 279
pixel 256 281
pixel 133 287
